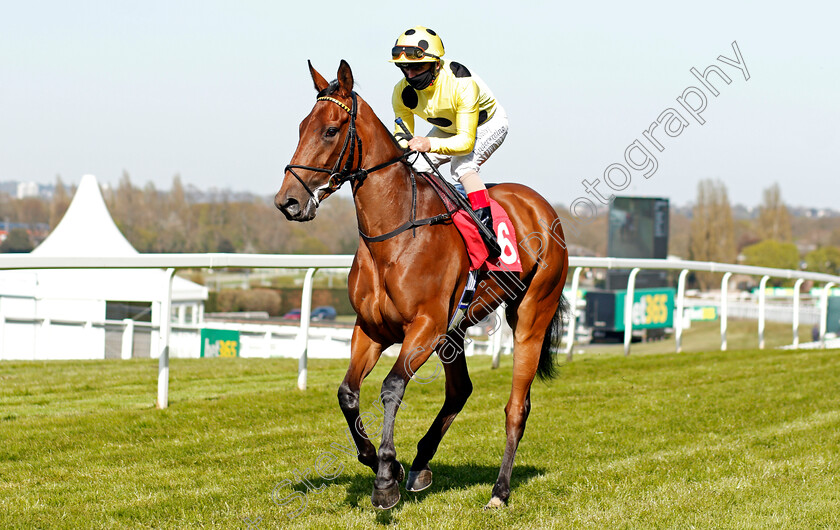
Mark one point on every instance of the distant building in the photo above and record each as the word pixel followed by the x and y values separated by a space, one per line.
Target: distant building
pixel 33 189
pixel 27 189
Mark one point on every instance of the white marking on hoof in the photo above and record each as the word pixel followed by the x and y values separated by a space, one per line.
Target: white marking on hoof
pixel 494 503
pixel 386 507
pixel 381 501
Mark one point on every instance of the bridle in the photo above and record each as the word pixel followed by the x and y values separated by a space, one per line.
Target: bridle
pixel 346 174
pixel 358 176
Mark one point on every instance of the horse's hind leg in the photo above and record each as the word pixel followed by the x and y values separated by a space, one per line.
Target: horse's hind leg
pixel 531 323
pixel 458 389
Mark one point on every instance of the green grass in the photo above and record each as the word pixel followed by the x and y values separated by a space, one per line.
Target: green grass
pixel 740 439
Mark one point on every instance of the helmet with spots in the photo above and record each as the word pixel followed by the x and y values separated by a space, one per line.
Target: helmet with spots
pixel 418 44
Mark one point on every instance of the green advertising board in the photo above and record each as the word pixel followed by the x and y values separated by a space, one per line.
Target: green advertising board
pixel 652 308
pixel 833 324
pixel 219 343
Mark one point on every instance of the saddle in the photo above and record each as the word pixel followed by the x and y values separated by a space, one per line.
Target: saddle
pixel 476 249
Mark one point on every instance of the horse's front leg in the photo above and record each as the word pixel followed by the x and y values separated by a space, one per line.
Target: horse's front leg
pixel 418 345
pixel 458 389
pixel 364 352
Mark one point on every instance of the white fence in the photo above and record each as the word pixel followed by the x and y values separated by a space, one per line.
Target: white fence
pixel 684 267
pixel 125 339
pixel 314 262
pixel 777 311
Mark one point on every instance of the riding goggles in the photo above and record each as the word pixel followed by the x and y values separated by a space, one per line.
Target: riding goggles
pixel 410 52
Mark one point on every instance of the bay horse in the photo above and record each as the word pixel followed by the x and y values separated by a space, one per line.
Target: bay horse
pixel 407 279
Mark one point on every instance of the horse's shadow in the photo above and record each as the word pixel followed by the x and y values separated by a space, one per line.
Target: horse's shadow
pixel 446 477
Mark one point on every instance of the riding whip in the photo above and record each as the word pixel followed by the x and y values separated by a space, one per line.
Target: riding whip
pixel 459 199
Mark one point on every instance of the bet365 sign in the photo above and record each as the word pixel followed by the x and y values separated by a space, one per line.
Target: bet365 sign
pixel 652 308
pixel 219 343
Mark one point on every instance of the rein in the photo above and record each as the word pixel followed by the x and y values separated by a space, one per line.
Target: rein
pixel 413 222
pixel 346 174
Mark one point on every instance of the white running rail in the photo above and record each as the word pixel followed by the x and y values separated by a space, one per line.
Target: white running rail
pixel 172 262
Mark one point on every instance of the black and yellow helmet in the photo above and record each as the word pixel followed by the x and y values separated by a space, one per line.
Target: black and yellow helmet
pixel 417 45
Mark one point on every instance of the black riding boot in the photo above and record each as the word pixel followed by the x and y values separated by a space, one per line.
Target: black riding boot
pixel 486 217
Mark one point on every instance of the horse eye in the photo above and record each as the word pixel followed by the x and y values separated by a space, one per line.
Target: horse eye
pixel 332 131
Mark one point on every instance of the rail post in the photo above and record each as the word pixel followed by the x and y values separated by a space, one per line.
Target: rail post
pixel 2 329
pixel 496 338
pixel 680 308
pixel 795 326
pixel 724 296
pixel 628 310
pixel 267 341
pixel 761 307
pixel 127 338
pixel 824 313
pixel 303 334
pixel 570 335
pixel 165 323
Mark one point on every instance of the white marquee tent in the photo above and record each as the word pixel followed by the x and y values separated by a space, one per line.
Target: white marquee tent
pixel 82 314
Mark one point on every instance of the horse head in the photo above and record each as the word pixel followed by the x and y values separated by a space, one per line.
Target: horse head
pixel 328 149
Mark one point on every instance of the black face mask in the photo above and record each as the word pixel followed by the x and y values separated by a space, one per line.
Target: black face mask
pixel 424 80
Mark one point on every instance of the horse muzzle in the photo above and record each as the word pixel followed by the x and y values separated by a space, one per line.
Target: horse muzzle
pixel 294 210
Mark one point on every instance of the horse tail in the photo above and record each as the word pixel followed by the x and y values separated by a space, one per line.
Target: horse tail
pixel 546 368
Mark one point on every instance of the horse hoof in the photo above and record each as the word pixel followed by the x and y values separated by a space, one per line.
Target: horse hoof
pixel 398 471
pixel 386 498
pixel 418 480
pixel 494 503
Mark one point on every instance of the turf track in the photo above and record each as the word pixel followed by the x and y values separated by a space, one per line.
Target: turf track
pixel 740 439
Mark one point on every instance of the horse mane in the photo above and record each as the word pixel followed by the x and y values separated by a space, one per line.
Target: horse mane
pixel 333 87
pixel 330 89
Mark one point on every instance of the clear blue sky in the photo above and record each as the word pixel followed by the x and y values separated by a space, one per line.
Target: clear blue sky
pixel 214 91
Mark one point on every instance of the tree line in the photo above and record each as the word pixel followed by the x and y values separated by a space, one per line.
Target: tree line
pixel 170 221
pixel 766 241
pixel 181 220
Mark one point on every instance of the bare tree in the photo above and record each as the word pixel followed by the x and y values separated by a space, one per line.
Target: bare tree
pixel 60 202
pixel 774 218
pixel 712 233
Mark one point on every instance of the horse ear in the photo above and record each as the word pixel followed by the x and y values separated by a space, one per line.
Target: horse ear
pixel 318 79
pixel 345 76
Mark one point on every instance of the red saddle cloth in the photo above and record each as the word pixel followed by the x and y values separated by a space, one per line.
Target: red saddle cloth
pixel 505 233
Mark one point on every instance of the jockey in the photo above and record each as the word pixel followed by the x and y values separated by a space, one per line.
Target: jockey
pixel 469 125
